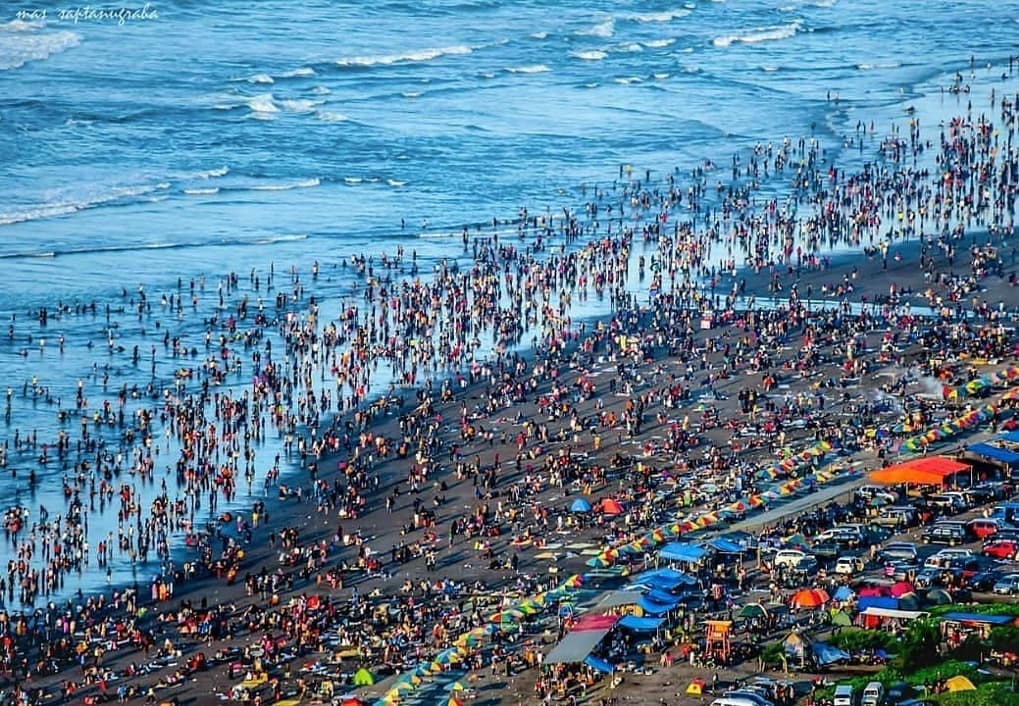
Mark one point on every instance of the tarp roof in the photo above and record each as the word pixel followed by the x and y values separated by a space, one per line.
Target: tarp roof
pixel 632 622
pixel 665 578
pixel 994 452
pixel 726 546
pixel 652 608
pixel 893 613
pixel 930 470
pixel 1011 436
pixel 580 642
pixel 678 551
pixel 978 618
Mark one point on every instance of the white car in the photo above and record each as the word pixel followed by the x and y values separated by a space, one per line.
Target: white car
pixel 788 557
pixel 849 565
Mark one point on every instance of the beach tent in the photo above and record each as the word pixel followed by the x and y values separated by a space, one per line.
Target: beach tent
pixel 753 610
pixel 696 687
pixel 809 598
pixel 352 701
pixel 929 470
pixel 362 677
pixel 938 596
pixel 959 683
pixel 611 506
pixel 725 546
pixel 843 593
pixel 580 505
pixel 841 619
pixel 666 579
pixel 825 654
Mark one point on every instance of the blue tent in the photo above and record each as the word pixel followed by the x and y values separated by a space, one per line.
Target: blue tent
pixel 580 505
pixel 678 551
pixel 996 453
pixel 599 664
pixel 843 593
pixel 635 624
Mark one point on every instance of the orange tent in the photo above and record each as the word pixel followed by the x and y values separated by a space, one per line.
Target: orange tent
pixel 932 470
pixel 611 506
pixel 810 598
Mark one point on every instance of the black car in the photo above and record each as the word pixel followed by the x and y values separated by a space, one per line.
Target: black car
pixel 827 551
pixel 944 534
pixel 984 581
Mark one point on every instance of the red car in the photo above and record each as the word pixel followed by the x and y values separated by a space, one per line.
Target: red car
pixel 982 528
pixel 1001 549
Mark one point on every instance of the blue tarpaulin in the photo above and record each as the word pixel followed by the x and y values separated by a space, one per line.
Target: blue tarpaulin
pixel 677 551
pixel 1011 437
pixel 726 546
pixel 825 654
pixel 1009 458
pixel 652 608
pixel 978 618
pixel 865 602
pixel 632 622
pixel 599 664
pixel 666 579
pixel 662 597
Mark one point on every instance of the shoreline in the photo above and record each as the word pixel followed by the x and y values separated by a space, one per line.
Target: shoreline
pixel 262 554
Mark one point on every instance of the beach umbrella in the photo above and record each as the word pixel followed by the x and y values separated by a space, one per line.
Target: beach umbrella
pixel 352 701
pixel 843 593
pixel 575 581
pixel 580 505
pixel 455 686
pixel 454 701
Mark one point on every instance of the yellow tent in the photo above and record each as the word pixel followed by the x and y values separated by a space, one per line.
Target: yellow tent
pixel 959 683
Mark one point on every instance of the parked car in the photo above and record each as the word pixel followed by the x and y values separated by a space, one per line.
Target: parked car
pixel 787 557
pixel 844 695
pixel 897 517
pixel 982 528
pixel 867 493
pixel 849 565
pixel 902 551
pixel 944 534
pixel 1007 586
pixel 827 550
pixel 901 570
pixel 1001 548
pixel 985 580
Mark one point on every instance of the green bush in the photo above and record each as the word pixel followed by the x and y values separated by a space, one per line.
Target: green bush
pixel 772 654
pixel 1005 638
pixel 919 646
pixel 856 639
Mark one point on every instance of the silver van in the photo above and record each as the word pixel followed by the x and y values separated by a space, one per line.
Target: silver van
pixel 873 694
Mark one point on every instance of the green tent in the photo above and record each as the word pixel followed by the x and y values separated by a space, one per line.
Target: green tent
pixel 841 619
pixel 363 678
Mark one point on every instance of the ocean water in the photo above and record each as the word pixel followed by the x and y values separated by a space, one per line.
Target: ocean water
pixel 219 137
